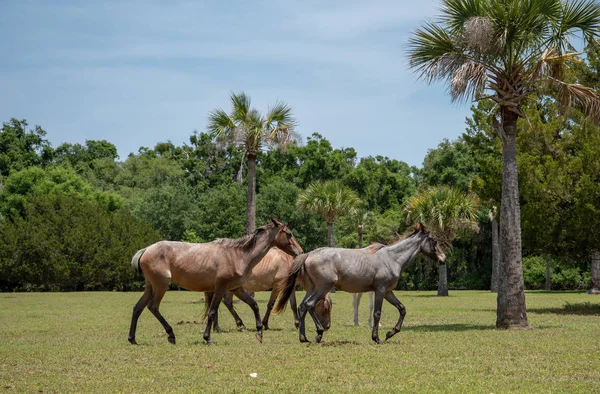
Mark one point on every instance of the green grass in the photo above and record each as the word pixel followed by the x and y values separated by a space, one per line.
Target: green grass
pixel 77 342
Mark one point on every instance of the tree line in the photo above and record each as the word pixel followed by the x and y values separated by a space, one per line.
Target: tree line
pixel 72 216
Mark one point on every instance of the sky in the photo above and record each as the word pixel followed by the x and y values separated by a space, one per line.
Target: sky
pixel 136 73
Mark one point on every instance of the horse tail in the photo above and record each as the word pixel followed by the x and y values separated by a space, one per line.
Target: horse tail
pixel 285 289
pixel 208 296
pixel 135 261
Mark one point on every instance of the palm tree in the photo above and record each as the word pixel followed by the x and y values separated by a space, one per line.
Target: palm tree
pixel 445 211
pixel 246 127
pixel 507 50
pixel 358 220
pixel 492 215
pixel 329 199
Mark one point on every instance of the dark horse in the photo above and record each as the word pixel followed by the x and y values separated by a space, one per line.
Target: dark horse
pixel 218 266
pixel 270 273
pixel 357 271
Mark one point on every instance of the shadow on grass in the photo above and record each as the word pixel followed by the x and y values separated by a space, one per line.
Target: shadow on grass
pixel 582 308
pixel 337 343
pixel 448 327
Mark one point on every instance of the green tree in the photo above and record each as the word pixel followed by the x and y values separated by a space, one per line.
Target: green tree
pixel 21 148
pixel 330 200
pixel 278 197
pixel 381 183
pixel 445 211
pixel 218 213
pixel 245 126
pixel 451 163
pixel 510 49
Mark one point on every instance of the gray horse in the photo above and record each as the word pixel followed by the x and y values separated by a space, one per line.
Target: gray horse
pixel 357 271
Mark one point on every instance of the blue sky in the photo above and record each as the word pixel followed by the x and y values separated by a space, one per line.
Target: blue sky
pixel 140 72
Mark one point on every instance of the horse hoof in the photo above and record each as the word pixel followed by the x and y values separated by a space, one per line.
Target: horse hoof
pixel 209 341
pixel 259 336
pixel 388 335
pixel 265 327
pixel 318 338
pixel 242 328
pixel 218 330
pixel 378 341
pixel 303 339
pixel 132 341
pixel 172 340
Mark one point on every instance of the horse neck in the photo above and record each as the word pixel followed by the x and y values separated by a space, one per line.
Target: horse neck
pixel 405 251
pixel 262 245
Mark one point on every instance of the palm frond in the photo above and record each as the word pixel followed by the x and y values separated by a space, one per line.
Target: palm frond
pixel 469 80
pixel 219 123
pixel 570 93
pixel 434 53
pixel 241 106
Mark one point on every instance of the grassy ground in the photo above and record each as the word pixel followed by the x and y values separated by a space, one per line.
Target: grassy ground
pixel 77 342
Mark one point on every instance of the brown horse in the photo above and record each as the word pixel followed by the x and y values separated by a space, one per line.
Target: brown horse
pixel 270 273
pixel 218 266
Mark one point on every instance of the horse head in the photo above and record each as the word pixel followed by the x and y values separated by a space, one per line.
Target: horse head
pixel 323 311
pixel 430 247
pixel 284 239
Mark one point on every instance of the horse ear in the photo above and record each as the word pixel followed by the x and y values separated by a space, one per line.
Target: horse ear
pixel 421 227
pixel 275 220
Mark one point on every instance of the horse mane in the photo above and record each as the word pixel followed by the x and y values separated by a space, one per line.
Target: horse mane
pixel 374 247
pixel 416 229
pixel 245 242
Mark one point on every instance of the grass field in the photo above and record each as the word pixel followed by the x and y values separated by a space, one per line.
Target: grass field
pixel 77 342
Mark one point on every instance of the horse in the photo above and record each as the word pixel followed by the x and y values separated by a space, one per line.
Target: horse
pixel 355 271
pixel 374 247
pixel 217 266
pixel 270 273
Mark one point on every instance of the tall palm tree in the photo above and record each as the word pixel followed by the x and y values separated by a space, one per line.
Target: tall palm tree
pixel 248 128
pixel 329 199
pixel 507 50
pixel 445 211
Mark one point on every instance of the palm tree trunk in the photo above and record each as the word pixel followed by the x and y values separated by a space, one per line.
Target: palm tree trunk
pixel 511 311
pixel 443 281
pixel 251 207
pixel 360 237
pixel 330 235
pixel 495 255
pixel 548 278
pixel 595 272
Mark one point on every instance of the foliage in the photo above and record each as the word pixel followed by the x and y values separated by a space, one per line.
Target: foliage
pixel 278 198
pixel 21 148
pixel 64 242
pixel 381 183
pixel 219 213
pixel 452 164
pixel 444 211
pixel 329 199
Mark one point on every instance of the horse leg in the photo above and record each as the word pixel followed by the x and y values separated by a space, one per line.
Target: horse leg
pixel 379 294
pixel 355 303
pixel 137 311
pixel 391 298
pixel 302 310
pixel 245 297
pixel 228 301
pixel 159 292
pixel 370 321
pixel 270 304
pixel 308 305
pixel 208 300
pixel 294 309
pixel 213 309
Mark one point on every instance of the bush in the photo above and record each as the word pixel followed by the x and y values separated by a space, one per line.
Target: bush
pixel 534 272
